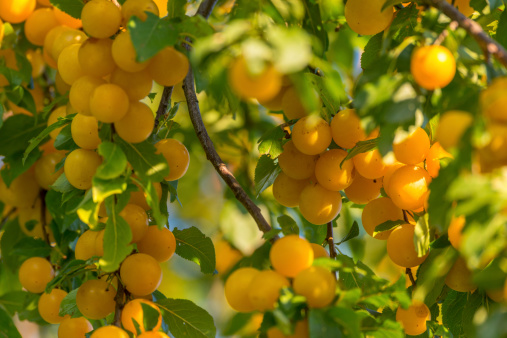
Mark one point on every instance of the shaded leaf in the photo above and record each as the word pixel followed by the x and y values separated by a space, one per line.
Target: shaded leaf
pixel 151 36
pixel 16 133
pixel 387 226
pixel 185 319
pixel 288 225
pixel 194 246
pixel 71 7
pixel 266 172
pixel 353 233
pixel 117 237
pixel 114 163
pixel 144 159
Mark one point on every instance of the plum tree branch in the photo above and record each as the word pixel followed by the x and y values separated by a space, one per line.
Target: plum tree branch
pixel 164 104
pixel 202 134
pixel 488 44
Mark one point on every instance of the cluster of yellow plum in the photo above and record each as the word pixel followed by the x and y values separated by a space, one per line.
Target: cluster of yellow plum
pixel 140 274
pixel 248 289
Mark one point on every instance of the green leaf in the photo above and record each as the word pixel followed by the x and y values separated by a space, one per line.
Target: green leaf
pixel 88 211
pixel 16 133
pixel 151 36
pixel 441 242
pixel 62 184
pixel 266 172
pixel 387 226
pixel 22 97
pixel 371 51
pixel 359 148
pixel 422 236
pixel 322 325
pixel 348 320
pixel 11 235
pixel 31 247
pixel 173 190
pixel 194 246
pixel 236 323
pixel 115 161
pixel 143 158
pixel 150 316
pixel 271 142
pixel 64 140
pixel 153 202
pixel 71 269
pixel 176 8
pixel 13 301
pixel 501 29
pixel 2 111
pixel 15 166
pixel 313 24
pixel 185 319
pixel 452 311
pixel 292 48
pixel 494 4
pixel 45 133
pixel 71 7
pixel 7 327
pixel 68 305
pixel 102 189
pixel 288 225
pixel 117 237
pixel 432 273
pixel 390 3
pixel 353 233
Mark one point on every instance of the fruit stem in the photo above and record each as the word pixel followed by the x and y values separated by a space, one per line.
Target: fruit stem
pixel 408 271
pixel 330 240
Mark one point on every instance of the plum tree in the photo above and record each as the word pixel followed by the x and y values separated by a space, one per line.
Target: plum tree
pixel 135 131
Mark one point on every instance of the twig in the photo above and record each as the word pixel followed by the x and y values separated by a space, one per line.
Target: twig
pixel 120 303
pixel 408 271
pixel 488 45
pixel 206 8
pixel 330 240
pixel 9 214
pixel 452 26
pixel 202 134
pixel 42 196
pixel 164 104
pixel 405 217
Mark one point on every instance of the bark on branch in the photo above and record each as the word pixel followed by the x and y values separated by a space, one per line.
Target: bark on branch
pixel 202 134
pixel 488 45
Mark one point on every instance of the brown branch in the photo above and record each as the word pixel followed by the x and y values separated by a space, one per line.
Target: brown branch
pixel 488 45
pixel 330 240
pixel 202 134
pixel 163 107
pixel 214 158
pixel 408 271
